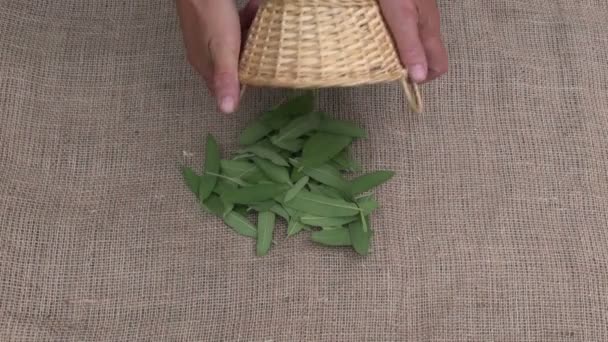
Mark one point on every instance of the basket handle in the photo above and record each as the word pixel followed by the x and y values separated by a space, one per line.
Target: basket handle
pixel 412 93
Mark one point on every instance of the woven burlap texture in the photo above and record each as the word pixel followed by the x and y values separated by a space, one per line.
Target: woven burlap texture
pixel 494 228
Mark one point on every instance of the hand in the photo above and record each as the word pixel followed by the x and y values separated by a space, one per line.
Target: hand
pixel 212 31
pixel 415 25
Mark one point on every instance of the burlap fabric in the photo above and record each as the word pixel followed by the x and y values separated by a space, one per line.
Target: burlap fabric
pixel 495 228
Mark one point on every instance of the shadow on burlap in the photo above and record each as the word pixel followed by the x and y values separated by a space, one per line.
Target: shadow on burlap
pixel 494 229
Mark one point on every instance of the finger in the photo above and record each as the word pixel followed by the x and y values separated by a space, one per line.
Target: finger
pixel 223 37
pixel 224 80
pixel 402 18
pixel 191 25
pixel 430 34
pixel 437 57
pixel 212 35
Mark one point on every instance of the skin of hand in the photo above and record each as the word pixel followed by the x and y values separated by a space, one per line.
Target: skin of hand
pixel 213 29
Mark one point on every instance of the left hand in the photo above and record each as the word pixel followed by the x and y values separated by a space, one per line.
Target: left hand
pixel 212 31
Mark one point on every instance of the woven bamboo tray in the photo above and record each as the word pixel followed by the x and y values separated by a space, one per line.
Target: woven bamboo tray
pixel 322 43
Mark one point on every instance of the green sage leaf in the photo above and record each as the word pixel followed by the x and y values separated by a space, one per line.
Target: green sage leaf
pixel 263 206
pixel 320 205
pixel 294 106
pixel 223 185
pixel 334 237
pixel 369 181
pixel 240 224
pixel 212 166
pixel 326 191
pixel 280 211
pixel 192 179
pixel 214 205
pixel 236 168
pixel 363 221
pixel 266 223
pixel 367 205
pixel 318 221
pixel 345 162
pixel 332 227
pixel 298 127
pixel 291 193
pixel 242 169
pixel 255 193
pixel 292 212
pixel 265 152
pixel 342 127
pixel 322 147
pixel 274 172
pixel 294 145
pixel 294 227
pixel 234 180
pixel 245 155
pixel 324 174
pixel 241 209
pixel 296 174
pixel 208 181
pixel 228 207
pixel 254 132
pixel 360 237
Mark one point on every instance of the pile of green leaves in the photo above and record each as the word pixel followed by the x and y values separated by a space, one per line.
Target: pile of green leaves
pixel 293 164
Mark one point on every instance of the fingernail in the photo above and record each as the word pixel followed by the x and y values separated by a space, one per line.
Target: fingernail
pixel 227 104
pixel 418 73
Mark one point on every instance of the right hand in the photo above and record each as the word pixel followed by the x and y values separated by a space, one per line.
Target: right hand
pixel 415 25
pixel 212 31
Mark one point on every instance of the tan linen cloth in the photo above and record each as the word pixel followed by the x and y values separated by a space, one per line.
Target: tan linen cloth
pixel 494 229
